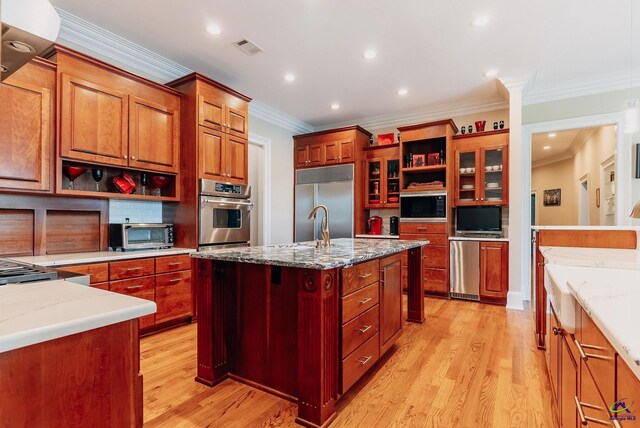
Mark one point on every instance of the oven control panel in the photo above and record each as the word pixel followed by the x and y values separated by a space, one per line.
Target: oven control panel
pixel 233 189
pixel 225 190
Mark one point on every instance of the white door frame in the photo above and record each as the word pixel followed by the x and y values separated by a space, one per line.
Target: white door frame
pixel 584 179
pixel 537 219
pixel 265 143
pixel 623 186
pixel 604 165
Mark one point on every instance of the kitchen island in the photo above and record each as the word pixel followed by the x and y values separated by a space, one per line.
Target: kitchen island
pixel 302 322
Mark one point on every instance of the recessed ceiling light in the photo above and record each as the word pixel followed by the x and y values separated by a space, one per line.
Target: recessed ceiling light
pixel 491 73
pixel 289 77
pixel 214 29
pixel 369 54
pixel 546 147
pixel 481 21
pixel 552 135
pixel 335 106
pixel 403 91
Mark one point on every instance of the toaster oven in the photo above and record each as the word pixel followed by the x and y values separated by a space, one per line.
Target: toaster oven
pixel 139 236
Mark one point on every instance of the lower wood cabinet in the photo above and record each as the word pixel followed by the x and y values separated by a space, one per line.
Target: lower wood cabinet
pixel 435 256
pixel 390 301
pixel 165 280
pixel 494 271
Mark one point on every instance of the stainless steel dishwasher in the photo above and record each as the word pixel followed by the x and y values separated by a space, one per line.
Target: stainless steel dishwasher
pixel 465 269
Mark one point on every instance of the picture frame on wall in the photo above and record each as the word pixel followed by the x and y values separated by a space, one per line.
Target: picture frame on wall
pixel 552 197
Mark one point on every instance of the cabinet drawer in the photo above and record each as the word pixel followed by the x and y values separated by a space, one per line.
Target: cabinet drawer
pixel 173 295
pixel 131 268
pixel 356 303
pixel 173 263
pixel 420 228
pixel 436 280
pixel 359 275
pixel 98 272
pixel 359 330
pixel 143 288
pixel 101 285
pixel 591 400
pixel 360 360
pixel 435 256
pixel 600 360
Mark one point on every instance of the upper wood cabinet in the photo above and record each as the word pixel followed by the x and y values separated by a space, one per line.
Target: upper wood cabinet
pixel 213 114
pixel 236 152
pixel 154 138
pixel 211 153
pixel 382 177
pixel 335 146
pixel 112 117
pixel 481 170
pixel 27 128
pixel 494 271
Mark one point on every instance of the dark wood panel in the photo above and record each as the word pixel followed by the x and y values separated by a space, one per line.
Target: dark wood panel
pixel 72 232
pixel 415 292
pixel 173 295
pixel 173 263
pixel 86 379
pixel 131 268
pixel 436 256
pixel 359 275
pixel 17 231
pixel 359 330
pixel 356 303
pixel 361 360
pixel 436 280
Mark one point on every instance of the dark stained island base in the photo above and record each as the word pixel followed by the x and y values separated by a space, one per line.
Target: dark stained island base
pixel 300 322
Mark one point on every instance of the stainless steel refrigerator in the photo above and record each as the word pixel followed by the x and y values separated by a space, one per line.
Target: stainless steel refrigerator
pixel 331 186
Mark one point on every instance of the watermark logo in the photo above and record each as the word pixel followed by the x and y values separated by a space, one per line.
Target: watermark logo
pixel 622 411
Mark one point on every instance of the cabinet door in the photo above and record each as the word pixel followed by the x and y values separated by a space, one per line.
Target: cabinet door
pixel 374 186
pixel 466 178
pixel 553 353
pixel 153 136
pixel 494 270
pixel 211 144
pixel 494 182
pixel 332 152
pixel 236 122
pixel 236 152
pixel 93 122
pixel 568 385
pixel 25 140
pixel 173 295
pixel 210 113
pixel 346 151
pixel 391 183
pixel 390 301
pixel 302 156
pixel 316 154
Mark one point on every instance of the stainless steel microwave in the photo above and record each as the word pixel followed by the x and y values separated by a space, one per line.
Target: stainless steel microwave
pixel 423 206
pixel 138 236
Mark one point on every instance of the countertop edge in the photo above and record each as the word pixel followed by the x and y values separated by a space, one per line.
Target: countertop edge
pixel 111 256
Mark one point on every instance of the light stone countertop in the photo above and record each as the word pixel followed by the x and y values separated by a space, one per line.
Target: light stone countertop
pixel 37 312
pixel 342 253
pixel 592 257
pixel 56 260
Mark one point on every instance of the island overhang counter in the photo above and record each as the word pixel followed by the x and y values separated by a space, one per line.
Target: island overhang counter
pixel 302 322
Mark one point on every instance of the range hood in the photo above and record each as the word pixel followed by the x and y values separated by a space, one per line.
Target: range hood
pixel 29 27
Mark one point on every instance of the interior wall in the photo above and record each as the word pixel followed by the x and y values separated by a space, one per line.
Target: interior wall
pixel 281 178
pixel 558 175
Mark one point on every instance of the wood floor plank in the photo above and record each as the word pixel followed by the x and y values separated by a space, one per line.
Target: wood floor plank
pixel 468 365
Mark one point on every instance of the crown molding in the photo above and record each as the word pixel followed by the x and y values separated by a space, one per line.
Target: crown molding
pixel 616 81
pixel 428 114
pixel 551 160
pixel 92 39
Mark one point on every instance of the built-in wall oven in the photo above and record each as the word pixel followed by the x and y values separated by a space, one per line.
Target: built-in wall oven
pixel 423 206
pixel 225 212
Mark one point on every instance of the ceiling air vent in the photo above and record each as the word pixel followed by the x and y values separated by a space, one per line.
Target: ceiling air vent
pixel 248 47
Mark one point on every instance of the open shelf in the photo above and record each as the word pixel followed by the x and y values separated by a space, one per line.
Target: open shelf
pixel 428 168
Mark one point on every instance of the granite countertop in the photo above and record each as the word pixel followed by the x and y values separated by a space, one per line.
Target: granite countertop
pixel 37 312
pixel 98 256
pixel 606 283
pixel 343 252
pixel 477 238
pixel 368 236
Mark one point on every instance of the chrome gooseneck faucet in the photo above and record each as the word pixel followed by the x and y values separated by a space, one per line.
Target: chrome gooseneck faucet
pixel 324 225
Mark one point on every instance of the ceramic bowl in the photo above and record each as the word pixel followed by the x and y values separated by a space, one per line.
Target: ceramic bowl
pixel 468 170
pixel 488 168
pixel 462 170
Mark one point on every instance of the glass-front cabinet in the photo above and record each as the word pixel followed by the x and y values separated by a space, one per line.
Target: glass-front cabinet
pixel 382 183
pixel 481 176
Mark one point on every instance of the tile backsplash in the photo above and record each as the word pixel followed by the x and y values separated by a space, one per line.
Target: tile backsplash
pixel 135 211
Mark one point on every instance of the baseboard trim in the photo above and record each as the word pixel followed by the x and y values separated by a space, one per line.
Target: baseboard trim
pixel 514 301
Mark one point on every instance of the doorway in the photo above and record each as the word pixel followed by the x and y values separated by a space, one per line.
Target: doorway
pixel 583 201
pixel 259 178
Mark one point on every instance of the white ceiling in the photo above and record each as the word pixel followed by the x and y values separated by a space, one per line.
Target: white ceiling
pixel 562 146
pixel 429 47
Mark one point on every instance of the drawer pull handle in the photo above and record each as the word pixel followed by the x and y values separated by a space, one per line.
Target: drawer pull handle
pixel 135 287
pixel 422 228
pixel 363 301
pixel 364 360
pixel 133 269
pixel 367 275
pixel 364 329
pixel 175 264
pixel 175 280
pixel 585 420
pixel 585 356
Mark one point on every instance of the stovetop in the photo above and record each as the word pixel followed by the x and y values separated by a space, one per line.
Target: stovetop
pixel 14 272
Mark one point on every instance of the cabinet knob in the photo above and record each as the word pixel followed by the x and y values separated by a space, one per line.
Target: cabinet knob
pixel 125 157
pixel 482 199
pixel 133 157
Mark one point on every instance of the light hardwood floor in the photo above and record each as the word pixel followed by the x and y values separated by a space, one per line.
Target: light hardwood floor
pixel 468 365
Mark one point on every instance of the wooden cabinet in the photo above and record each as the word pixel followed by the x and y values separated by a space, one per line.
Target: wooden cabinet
pixel 390 301
pixel 627 390
pixel 27 128
pixel 173 295
pixel 568 384
pixel 112 117
pixel 382 178
pixel 236 155
pixel 222 156
pixel 143 288
pixel 494 271
pixel 481 169
pixel 214 114
pixel 435 258
pixel 340 151
pixel 331 147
